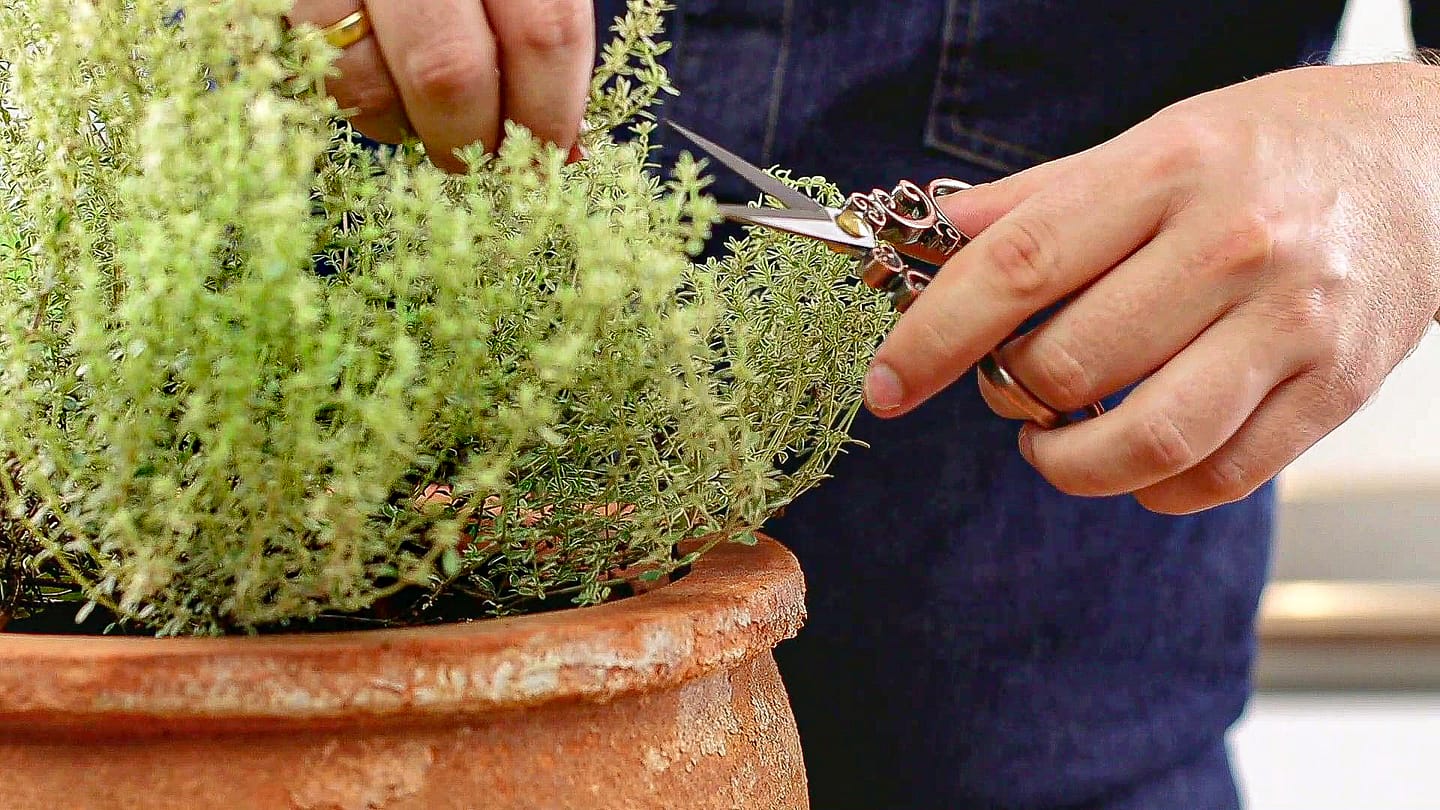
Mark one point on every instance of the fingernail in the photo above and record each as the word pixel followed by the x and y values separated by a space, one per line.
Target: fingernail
pixel 883 390
pixel 1027 444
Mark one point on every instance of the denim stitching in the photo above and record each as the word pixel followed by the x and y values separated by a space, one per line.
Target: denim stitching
pixel 671 60
pixel 948 87
pixel 984 161
pixel 942 72
pixel 777 87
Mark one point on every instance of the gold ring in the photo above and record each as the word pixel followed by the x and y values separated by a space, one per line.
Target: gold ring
pixel 991 370
pixel 348 31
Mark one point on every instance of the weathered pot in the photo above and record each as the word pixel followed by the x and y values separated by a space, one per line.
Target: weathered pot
pixel 670 699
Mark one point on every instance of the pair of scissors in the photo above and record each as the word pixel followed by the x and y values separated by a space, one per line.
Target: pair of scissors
pixel 881 230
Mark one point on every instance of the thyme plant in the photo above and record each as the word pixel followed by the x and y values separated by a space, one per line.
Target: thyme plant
pixel 254 375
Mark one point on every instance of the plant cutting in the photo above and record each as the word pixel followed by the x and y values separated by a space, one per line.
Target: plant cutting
pixel 500 428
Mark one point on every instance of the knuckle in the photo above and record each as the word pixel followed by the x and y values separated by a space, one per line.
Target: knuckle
pixel 446 72
pixel 554 25
pixel 1307 316
pixel 1057 376
pixel 1021 257
pixel 1220 480
pixel 1180 144
pixel 1244 246
pixel 1349 393
pixel 1160 444
pixel 1333 397
pixel 1187 141
pixel 369 97
pixel 938 339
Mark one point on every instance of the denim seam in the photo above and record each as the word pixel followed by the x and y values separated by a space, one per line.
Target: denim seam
pixel 671 60
pixel 777 86
pixel 942 72
pixel 949 84
pixel 950 147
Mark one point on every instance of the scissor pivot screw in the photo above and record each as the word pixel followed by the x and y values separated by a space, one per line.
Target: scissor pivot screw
pixel 852 223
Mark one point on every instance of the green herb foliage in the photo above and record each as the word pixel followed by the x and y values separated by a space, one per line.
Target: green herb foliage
pixel 253 375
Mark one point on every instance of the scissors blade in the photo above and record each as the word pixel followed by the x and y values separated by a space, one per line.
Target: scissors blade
pixel 824 230
pixel 798 203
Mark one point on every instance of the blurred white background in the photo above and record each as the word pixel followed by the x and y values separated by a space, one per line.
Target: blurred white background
pixel 1364 502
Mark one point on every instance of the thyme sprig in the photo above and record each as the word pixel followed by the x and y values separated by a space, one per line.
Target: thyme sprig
pixel 235 345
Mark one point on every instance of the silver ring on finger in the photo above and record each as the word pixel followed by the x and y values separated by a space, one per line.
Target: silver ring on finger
pixel 1015 393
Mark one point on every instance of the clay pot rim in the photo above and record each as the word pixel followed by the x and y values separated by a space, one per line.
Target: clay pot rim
pixel 737 602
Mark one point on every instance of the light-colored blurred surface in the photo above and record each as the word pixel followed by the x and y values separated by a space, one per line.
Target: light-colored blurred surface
pixel 1348 717
pixel 1340 752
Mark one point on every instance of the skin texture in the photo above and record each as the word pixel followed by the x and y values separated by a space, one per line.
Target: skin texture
pixel 1257 258
pixel 452 71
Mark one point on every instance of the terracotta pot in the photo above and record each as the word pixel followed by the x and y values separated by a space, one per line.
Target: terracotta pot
pixel 670 699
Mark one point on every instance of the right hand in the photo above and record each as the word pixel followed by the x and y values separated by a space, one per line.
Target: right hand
pixel 450 72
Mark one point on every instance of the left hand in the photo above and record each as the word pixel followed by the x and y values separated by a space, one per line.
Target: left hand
pixel 1261 256
pixel 453 71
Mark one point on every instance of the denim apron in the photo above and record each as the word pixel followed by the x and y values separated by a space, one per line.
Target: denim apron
pixel 977 639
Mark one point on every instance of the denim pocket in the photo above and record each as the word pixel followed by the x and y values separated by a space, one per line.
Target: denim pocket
pixel 978 107
pixel 1021 82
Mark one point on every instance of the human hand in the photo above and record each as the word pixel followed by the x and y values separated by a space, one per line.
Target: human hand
pixel 452 71
pixel 1261 256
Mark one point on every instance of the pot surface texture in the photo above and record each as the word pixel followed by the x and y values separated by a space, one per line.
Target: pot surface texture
pixel 669 699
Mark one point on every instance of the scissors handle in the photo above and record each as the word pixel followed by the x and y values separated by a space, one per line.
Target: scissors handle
pixel 909 218
pixel 907 223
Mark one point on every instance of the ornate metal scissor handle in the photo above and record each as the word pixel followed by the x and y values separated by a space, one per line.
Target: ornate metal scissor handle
pixel 881 228
pixel 908 217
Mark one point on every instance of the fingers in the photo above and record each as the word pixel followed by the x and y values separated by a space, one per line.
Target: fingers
pixel 1070 230
pixel 547 49
pixel 975 209
pixel 363 88
pixel 1136 317
pixel 445 62
pixel 451 71
pixel 1175 419
pixel 1293 418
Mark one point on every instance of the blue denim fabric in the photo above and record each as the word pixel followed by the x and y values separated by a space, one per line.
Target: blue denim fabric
pixel 976 639
pixel 1425 22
